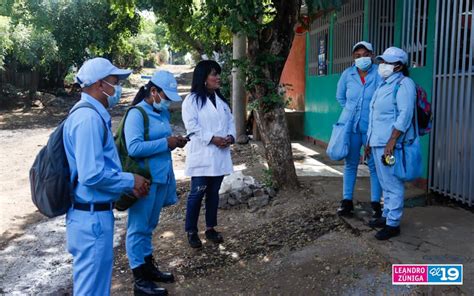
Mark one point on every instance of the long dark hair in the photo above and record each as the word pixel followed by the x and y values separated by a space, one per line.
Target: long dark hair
pixel 144 92
pixel 198 86
pixel 404 69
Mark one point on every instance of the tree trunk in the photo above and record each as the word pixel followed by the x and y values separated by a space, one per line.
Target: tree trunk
pixel 276 141
pixel 275 41
pixel 239 46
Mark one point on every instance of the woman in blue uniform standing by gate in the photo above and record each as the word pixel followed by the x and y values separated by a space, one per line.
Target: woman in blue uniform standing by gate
pixel 354 92
pixel 143 216
pixel 390 126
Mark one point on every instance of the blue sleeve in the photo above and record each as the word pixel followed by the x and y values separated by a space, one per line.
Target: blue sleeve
pixel 341 89
pixel 134 131
pixel 86 136
pixel 406 97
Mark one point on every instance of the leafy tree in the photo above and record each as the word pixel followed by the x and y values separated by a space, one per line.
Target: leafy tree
pixel 76 30
pixel 193 24
pixel 5 41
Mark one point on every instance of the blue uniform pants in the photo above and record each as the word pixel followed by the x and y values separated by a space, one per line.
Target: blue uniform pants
pixel 393 189
pixel 350 169
pixel 143 218
pixel 90 241
pixel 201 186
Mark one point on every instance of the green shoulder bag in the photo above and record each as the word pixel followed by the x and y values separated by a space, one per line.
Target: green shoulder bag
pixel 131 164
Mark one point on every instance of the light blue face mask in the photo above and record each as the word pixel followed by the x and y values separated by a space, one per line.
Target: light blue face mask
pixel 115 98
pixel 162 105
pixel 363 63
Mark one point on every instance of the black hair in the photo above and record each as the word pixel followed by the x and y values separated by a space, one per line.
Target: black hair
pixel 144 92
pixel 198 86
pixel 404 69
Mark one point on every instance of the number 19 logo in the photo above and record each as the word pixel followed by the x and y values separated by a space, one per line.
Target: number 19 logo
pixel 445 274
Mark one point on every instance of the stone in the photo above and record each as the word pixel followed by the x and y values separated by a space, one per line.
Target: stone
pixel 258 202
pixel 236 195
pixel 223 200
pixel 243 139
pixel 258 192
pixel 232 201
pixel 270 191
pixel 246 194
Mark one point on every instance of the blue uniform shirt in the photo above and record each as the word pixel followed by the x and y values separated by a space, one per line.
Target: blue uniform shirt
pixel 352 94
pixel 387 112
pixel 156 149
pixel 97 166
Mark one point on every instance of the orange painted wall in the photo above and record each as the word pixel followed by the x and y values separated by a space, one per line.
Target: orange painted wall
pixel 294 73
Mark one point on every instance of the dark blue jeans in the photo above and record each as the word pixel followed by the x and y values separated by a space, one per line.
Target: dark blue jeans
pixel 201 186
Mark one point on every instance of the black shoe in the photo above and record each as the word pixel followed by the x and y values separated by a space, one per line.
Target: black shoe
pixel 346 208
pixel 143 286
pixel 387 232
pixel 214 236
pixel 378 222
pixel 154 274
pixel 377 208
pixel 193 240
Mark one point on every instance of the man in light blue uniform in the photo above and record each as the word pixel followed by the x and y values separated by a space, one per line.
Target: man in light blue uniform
pixel 354 92
pixel 391 116
pixel 97 175
pixel 154 98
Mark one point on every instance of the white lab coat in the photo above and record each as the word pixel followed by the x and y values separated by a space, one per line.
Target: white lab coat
pixel 204 159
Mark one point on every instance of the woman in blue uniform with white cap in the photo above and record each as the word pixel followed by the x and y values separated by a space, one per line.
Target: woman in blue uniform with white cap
pixel 354 92
pixel 391 123
pixel 143 216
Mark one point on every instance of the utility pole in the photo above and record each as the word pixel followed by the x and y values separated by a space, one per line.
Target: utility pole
pixel 239 50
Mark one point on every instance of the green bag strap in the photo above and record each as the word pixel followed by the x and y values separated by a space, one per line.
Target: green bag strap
pixel 146 127
pixel 146 122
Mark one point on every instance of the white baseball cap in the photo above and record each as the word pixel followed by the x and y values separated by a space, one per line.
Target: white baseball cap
pixel 166 81
pixel 96 69
pixel 365 44
pixel 393 55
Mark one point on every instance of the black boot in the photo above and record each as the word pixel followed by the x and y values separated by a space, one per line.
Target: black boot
pixel 214 236
pixel 378 222
pixel 377 208
pixel 154 274
pixel 387 232
pixel 193 240
pixel 346 208
pixel 143 286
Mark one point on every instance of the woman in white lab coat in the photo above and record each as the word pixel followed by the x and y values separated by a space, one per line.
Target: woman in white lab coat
pixel 210 127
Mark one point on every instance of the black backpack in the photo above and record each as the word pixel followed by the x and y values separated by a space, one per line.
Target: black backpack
pixel 51 188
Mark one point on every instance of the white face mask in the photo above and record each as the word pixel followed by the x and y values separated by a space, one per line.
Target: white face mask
pixel 162 105
pixel 385 70
pixel 113 100
pixel 363 63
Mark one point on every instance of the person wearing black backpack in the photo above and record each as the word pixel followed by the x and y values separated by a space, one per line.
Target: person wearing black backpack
pixel 391 126
pixel 97 176
pixel 149 140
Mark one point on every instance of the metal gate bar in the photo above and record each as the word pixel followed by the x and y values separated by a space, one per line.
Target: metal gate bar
pixel 452 140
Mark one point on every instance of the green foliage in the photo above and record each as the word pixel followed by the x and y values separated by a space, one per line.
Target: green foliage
pixel 5 40
pixel 52 36
pixel 192 25
pixel 33 49
pixel 268 178
pixel 226 75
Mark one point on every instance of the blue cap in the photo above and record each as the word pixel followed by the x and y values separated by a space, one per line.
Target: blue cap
pixel 365 44
pixel 393 55
pixel 96 69
pixel 166 81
